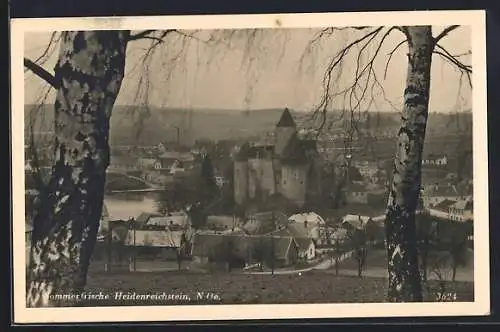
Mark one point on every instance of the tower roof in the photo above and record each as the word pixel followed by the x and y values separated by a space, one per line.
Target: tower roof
pixel 286 119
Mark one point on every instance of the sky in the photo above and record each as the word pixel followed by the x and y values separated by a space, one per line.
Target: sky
pixel 277 70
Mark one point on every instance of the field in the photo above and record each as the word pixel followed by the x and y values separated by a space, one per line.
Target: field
pixel 237 288
pixel 376 265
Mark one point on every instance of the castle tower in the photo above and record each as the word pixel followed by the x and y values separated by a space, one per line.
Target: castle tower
pixel 241 176
pixel 285 129
pixel 294 166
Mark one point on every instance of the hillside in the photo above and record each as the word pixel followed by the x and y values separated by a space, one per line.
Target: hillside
pixel 141 126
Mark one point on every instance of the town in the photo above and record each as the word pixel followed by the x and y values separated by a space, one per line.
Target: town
pixel 283 202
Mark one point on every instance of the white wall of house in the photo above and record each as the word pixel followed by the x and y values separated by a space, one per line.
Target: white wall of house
pixel 311 252
pixel 460 214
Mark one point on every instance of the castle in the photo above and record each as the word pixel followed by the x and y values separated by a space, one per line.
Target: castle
pixel 289 167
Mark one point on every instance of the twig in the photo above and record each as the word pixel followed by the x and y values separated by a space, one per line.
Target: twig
pixel 454 59
pixel 46 52
pixel 391 54
pixel 467 69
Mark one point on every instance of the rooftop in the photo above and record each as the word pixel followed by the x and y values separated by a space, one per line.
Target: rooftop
pixel 286 119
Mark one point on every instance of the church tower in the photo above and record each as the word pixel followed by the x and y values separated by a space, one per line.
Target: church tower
pixel 284 131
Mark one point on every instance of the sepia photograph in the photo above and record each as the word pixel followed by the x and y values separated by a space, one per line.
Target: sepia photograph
pixel 279 166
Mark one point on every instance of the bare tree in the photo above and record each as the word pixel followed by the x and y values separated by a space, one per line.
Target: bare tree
pixel 358 240
pixel 184 247
pixel 404 275
pixel 87 78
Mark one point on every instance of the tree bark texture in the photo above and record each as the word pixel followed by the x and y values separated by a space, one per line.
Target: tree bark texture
pixel 90 70
pixel 404 276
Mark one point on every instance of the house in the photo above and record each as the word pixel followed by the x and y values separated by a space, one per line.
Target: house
pixel 218 248
pixel 285 249
pixel 359 222
pixel 177 167
pixel 304 230
pixel 122 163
pixel 462 210
pixel 176 161
pixel 304 235
pixel 306 248
pixel 310 218
pixel 154 243
pixel 366 168
pixel 435 160
pixel 365 193
pixel 243 248
pixel 157 177
pixel 222 223
pixel 165 146
pixel 356 194
pixel 340 235
pixel 147 163
pixel 144 218
pixel 435 194
pixel 179 219
pixel 154 238
pixel 442 208
pixel 265 222
pixel 328 236
pixel 361 228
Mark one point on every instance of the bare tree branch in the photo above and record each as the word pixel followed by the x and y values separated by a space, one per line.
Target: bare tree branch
pixel 334 63
pixel 367 71
pixel 454 61
pixel 54 38
pixel 141 35
pixel 391 54
pixel 41 72
pixel 445 32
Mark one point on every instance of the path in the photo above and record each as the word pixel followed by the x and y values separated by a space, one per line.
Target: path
pixel 323 265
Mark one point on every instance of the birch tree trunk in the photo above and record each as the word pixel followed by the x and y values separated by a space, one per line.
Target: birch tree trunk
pixel 404 277
pixel 89 73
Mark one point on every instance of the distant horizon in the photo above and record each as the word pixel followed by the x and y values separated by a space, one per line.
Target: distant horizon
pixel 226 109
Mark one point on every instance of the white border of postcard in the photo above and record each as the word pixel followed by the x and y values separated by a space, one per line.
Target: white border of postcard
pixel 481 305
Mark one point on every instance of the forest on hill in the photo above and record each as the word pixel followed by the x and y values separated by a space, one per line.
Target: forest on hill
pixel 132 125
